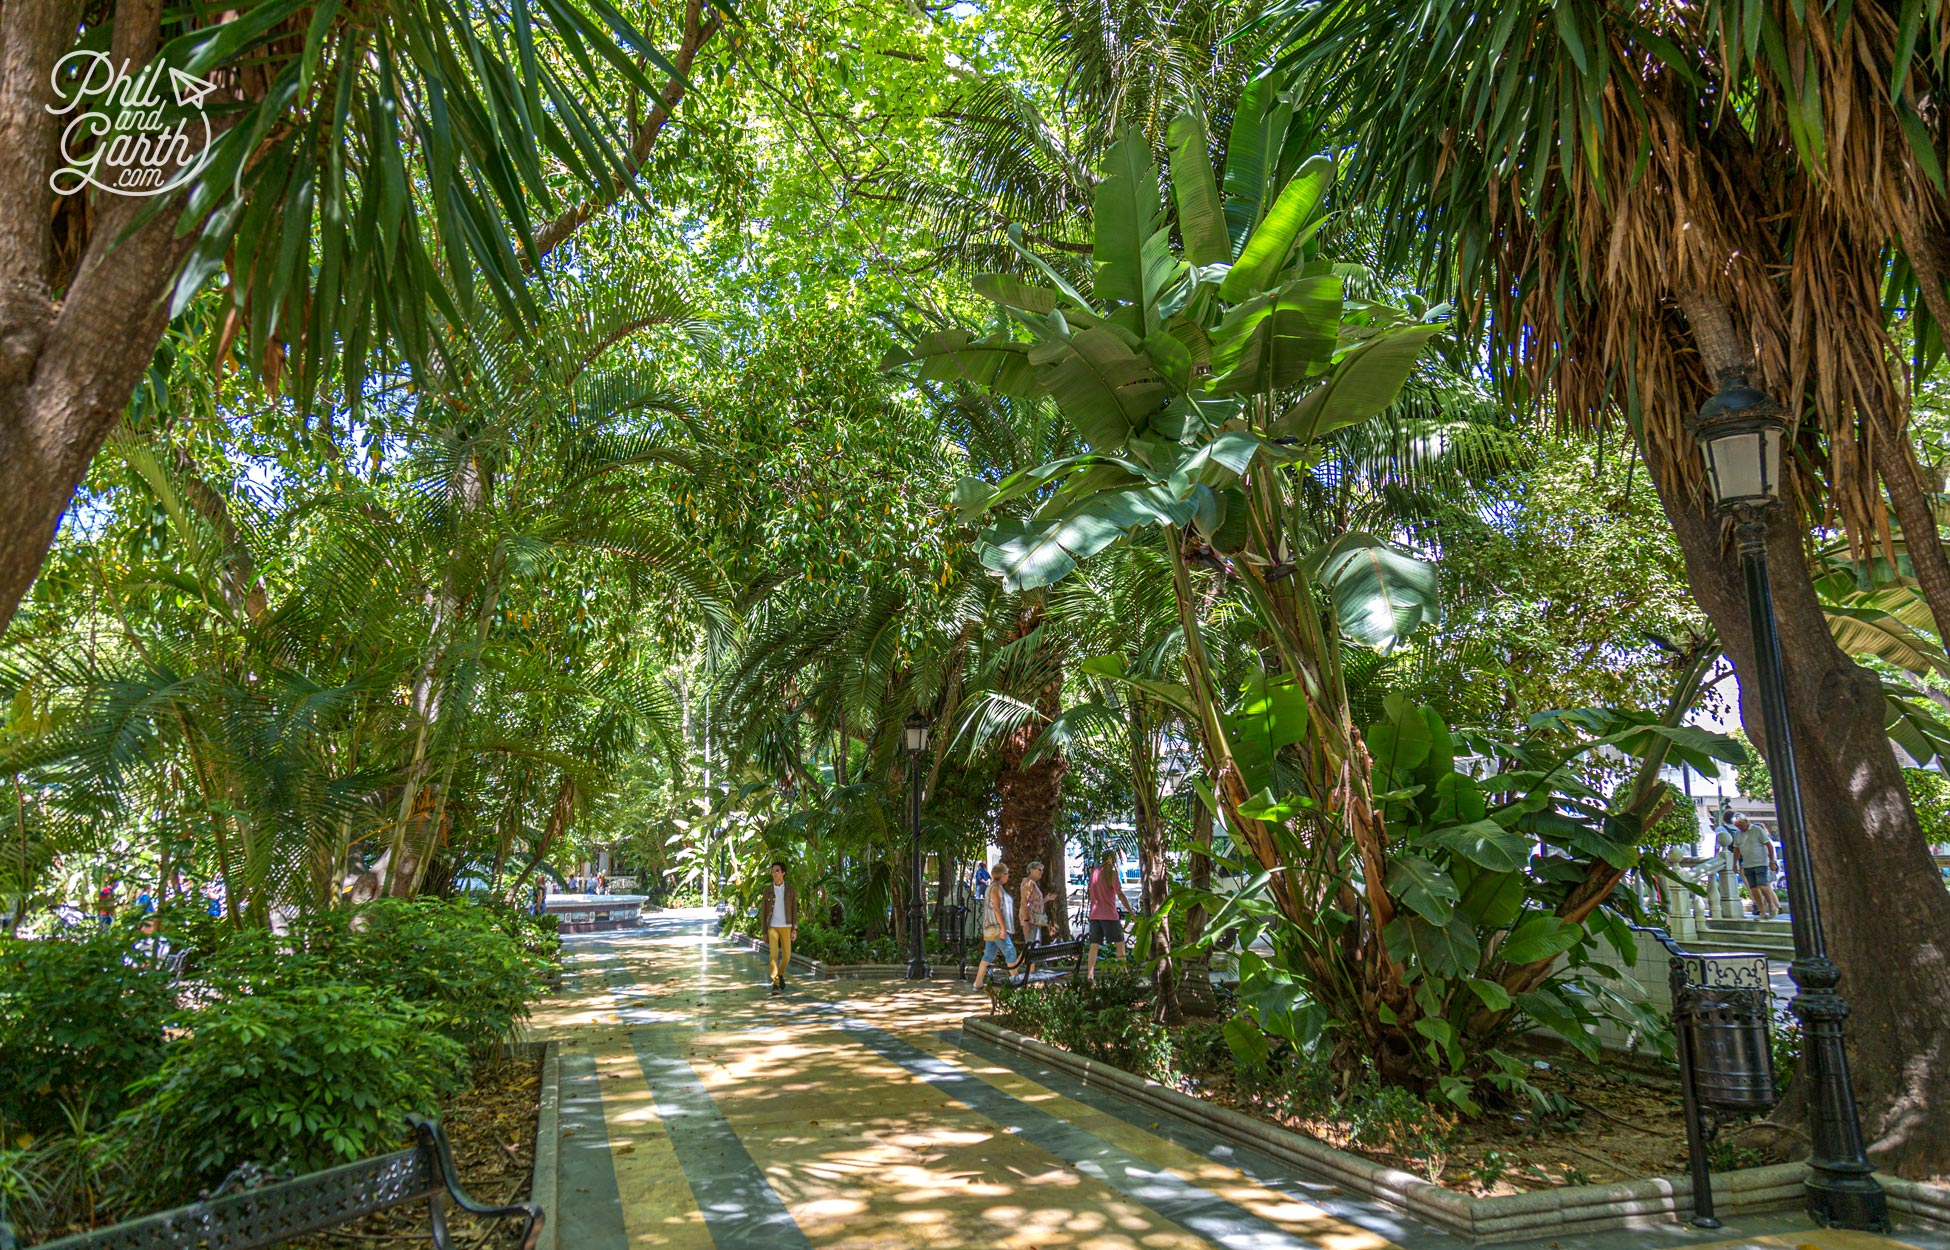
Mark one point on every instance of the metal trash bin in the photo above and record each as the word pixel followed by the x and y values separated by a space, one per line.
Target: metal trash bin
pixel 1721 1006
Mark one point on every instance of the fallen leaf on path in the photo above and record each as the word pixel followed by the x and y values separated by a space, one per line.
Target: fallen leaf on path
pixel 628 1148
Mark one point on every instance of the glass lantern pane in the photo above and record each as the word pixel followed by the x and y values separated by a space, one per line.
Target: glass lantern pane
pixel 1737 463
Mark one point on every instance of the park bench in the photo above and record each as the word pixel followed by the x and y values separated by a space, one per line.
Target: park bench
pixel 1034 969
pixel 247 1211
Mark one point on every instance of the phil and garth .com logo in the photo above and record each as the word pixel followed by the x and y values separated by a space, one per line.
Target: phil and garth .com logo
pixel 125 133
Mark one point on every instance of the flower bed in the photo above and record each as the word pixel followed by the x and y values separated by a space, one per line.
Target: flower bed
pixel 1593 1125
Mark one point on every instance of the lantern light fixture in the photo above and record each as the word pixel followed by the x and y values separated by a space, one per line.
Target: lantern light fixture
pixel 1741 432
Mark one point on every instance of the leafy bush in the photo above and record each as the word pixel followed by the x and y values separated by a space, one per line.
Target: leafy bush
pixel 1752 778
pixel 1678 827
pixel 77 1025
pixel 1390 1118
pixel 1929 794
pixel 827 944
pixel 1110 1021
pixel 455 959
pixel 306 1075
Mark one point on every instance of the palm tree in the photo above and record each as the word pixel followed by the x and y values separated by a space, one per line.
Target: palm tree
pixel 377 172
pixel 1633 203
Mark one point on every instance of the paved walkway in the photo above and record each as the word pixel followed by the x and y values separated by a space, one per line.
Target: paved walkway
pixel 698 1111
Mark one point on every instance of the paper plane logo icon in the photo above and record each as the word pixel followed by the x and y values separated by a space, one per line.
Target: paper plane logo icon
pixel 190 90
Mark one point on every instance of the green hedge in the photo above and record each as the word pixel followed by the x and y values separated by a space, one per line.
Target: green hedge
pixel 296 1051
pixel 78 1025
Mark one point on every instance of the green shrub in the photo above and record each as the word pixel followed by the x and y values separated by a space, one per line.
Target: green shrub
pixel 457 960
pixel 821 941
pixel 1752 778
pixel 1111 1021
pixel 300 1075
pixel 1678 827
pixel 77 1025
pixel 1929 794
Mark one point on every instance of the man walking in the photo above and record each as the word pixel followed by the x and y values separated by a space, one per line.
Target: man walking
pixel 998 920
pixel 781 922
pixel 1107 903
pixel 1757 866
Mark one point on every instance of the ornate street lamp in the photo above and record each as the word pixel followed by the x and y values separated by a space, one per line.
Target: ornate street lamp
pixel 1741 432
pixel 915 732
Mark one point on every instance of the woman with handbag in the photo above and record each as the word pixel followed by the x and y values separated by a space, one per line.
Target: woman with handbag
pixel 1036 924
pixel 998 918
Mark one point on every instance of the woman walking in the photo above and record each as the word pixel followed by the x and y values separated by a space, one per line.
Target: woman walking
pixel 1107 905
pixel 998 920
pixel 1036 925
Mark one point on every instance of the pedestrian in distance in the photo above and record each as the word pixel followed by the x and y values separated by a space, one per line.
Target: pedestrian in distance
pixel 1107 905
pixel 1757 864
pixel 781 922
pixel 1036 924
pixel 998 921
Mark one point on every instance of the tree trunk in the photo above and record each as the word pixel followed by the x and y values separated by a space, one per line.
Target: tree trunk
pixel 1152 865
pixel 1029 795
pixel 1887 914
pixel 1056 881
pixel 1195 993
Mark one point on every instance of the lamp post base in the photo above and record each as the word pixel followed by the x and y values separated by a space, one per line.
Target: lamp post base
pixel 917 963
pixel 1851 1202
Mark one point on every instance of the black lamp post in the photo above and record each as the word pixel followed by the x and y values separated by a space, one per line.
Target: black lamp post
pixel 915 730
pixel 1741 432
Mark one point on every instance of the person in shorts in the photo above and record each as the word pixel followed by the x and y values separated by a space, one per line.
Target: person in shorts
pixel 1757 865
pixel 998 921
pixel 1107 903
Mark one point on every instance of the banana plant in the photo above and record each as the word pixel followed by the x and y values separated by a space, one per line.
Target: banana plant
pixel 1201 379
pixel 1204 381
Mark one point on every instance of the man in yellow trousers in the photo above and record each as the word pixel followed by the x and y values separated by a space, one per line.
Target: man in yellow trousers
pixel 781 904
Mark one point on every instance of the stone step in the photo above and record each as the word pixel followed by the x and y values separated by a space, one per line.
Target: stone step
pixel 1711 943
pixel 1748 924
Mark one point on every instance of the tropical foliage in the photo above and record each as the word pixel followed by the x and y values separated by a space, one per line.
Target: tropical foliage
pixel 1250 433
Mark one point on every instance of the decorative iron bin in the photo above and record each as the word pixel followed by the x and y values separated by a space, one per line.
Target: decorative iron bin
pixel 1721 1005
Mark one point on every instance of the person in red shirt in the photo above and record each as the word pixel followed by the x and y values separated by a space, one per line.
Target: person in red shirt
pixel 1107 903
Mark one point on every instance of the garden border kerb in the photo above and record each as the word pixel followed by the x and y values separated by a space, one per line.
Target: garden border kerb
pixel 1508 1217
pixel 548 1134
pixel 838 972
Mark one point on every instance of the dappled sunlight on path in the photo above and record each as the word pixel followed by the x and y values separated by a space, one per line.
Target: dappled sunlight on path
pixel 699 1110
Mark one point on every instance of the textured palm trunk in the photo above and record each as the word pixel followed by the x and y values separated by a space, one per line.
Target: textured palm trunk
pixel 1056 884
pixel 1029 795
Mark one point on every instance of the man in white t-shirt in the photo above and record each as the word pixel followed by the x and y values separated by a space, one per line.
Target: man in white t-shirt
pixel 781 908
pixel 1757 861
